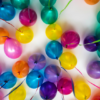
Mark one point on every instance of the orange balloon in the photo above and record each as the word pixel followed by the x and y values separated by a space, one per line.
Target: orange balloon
pixel 91 2
pixel 3 32
pixel 20 69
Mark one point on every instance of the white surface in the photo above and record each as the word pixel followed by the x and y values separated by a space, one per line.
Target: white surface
pixel 78 16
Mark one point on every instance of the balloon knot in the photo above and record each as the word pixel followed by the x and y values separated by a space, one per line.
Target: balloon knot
pixel 19 72
pixel 35 62
pixel 39 76
pixel 30 21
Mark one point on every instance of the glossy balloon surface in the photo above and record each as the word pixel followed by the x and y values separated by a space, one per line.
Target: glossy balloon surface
pixel 37 61
pixel 34 79
pixel 48 90
pixel 28 17
pixel 91 2
pixel 54 49
pixel 49 15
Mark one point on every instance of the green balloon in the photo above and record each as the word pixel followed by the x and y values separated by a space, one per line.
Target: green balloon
pixel 47 2
pixel 98 33
pixel 98 16
pixel 49 15
pixel 20 4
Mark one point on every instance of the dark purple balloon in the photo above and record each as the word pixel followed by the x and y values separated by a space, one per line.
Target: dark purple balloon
pixel 37 61
pixel 52 73
pixel 90 47
pixel 48 90
pixel 93 69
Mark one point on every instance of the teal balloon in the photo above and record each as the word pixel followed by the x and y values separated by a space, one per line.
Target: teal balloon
pixel 20 4
pixel 48 2
pixel 98 33
pixel 49 15
pixel 98 17
pixel 54 49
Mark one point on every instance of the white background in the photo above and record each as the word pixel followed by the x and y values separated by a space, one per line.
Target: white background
pixel 80 17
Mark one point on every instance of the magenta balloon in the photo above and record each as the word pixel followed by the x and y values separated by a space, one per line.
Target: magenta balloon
pixel 70 39
pixel 1 95
pixel 12 48
pixel 28 17
pixel 64 86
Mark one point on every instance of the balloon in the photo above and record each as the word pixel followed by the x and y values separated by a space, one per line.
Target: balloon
pixel 7 11
pixel 37 61
pixel 34 79
pixel 20 69
pixel 0 2
pixel 98 16
pixel 98 51
pixel 24 35
pixel 93 69
pixel 90 47
pixel 91 2
pixel 68 60
pixel 98 33
pixel 54 49
pixel 28 17
pixel 3 35
pixel 47 2
pixel 18 94
pixel 1 95
pixel 20 4
pixel 53 31
pixel 64 86
pixel 52 73
pixel 70 39
pixel 96 98
pixel 49 15
pixel 48 91
pixel 7 80
pixel 82 90
pixel 12 48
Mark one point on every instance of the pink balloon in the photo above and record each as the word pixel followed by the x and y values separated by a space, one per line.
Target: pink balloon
pixel 28 17
pixel 1 95
pixel 64 86
pixel 12 48
pixel 70 39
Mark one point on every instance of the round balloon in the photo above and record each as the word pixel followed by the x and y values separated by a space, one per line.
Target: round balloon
pixel 24 35
pixel 98 16
pixel 18 94
pixel 28 17
pixel 90 47
pixel 93 69
pixel 7 80
pixel 68 60
pixel 37 61
pixel 53 31
pixel 64 86
pixel 91 2
pixel 20 4
pixel 20 69
pixel 48 2
pixel 7 11
pixel 52 73
pixel 3 35
pixel 82 90
pixel 49 15
pixel 12 48
pixel 34 79
pixel 70 39
pixel 54 49
pixel 48 91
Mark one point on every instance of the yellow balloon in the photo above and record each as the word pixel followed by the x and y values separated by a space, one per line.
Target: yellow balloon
pixel 24 35
pixel 53 31
pixel 68 60
pixel 18 94
pixel 82 90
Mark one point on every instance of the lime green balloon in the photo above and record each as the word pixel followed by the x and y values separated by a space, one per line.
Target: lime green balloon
pixel 49 15
pixel 98 16
pixel 20 4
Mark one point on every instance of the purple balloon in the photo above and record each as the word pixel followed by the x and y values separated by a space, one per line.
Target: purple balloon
pixel 37 61
pixel 90 47
pixel 28 17
pixel 52 73
pixel 12 48
pixel 48 91
pixel 93 69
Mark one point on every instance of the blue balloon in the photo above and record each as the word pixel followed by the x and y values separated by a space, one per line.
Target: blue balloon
pixel 7 11
pixel 7 80
pixel 34 79
pixel 54 49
